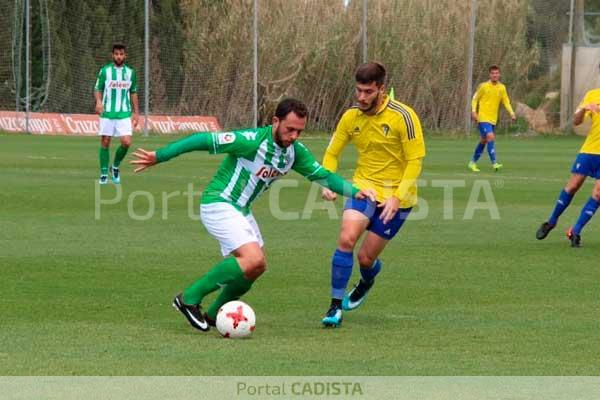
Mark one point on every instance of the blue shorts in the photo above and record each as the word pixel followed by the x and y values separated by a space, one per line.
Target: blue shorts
pixel 485 128
pixel 376 225
pixel 587 164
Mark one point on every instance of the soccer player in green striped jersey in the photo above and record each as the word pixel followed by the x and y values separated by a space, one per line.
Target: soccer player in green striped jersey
pixel 255 159
pixel 116 97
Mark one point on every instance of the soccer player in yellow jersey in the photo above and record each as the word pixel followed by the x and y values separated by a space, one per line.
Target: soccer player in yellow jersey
pixel 586 164
pixel 388 138
pixel 484 110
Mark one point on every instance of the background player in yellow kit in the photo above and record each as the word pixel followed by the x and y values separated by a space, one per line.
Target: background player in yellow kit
pixel 586 164
pixel 484 110
pixel 388 138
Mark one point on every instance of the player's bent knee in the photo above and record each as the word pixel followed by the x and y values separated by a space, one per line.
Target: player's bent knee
pixel 365 260
pixel 259 264
pixel 574 185
pixel 253 263
pixel 260 268
pixel 255 268
pixel 347 242
pixel 571 189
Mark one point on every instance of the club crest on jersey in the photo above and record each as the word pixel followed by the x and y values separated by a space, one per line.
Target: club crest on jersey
pixel 356 130
pixel 225 138
pixel 386 129
pixel 267 172
pixel 119 84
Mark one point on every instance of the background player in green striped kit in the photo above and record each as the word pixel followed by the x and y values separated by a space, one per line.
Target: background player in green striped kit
pixel 255 159
pixel 116 97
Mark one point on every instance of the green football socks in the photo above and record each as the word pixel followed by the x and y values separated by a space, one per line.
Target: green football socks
pixel 120 155
pixel 218 276
pixel 104 157
pixel 233 291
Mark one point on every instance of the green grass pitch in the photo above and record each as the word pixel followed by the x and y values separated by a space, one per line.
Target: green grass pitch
pixel 82 296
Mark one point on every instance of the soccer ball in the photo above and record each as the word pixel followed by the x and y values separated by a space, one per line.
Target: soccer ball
pixel 236 319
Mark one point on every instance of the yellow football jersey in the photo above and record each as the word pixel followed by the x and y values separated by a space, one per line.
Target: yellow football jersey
pixel 488 97
pixel 385 142
pixel 592 141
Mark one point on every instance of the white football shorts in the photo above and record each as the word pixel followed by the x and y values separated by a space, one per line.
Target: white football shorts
pixel 230 227
pixel 115 127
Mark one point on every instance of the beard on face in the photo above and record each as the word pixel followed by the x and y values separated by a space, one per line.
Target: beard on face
pixel 117 63
pixel 372 104
pixel 370 107
pixel 278 138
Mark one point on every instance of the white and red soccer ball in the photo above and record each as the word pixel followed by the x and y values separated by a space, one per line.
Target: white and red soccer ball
pixel 236 319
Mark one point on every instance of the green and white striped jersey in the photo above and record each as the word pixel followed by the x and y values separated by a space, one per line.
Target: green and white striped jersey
pixel 116 84
pixel 254 161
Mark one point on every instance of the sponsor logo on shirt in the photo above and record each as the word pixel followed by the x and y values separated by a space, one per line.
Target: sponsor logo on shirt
pixel 225 138
pixel 267 172
pixel 119 85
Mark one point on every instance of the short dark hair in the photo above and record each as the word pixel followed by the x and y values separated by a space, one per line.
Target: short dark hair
pixel 289 105
pixel 119 46
pixel 370 72
pixel 494 67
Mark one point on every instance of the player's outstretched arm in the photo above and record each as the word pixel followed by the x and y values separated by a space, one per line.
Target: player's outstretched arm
pixel 306 165
pixel 339 185
pixel 145 159
pixel 366 194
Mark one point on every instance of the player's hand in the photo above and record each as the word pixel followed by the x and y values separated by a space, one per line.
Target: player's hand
pixel 593 107
pixel 99 108
pixel 144 160
pixel 513 118
pixel 474 116
pixel 366 194
pixel 135 120
pixel 390 208
pixel 328 195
